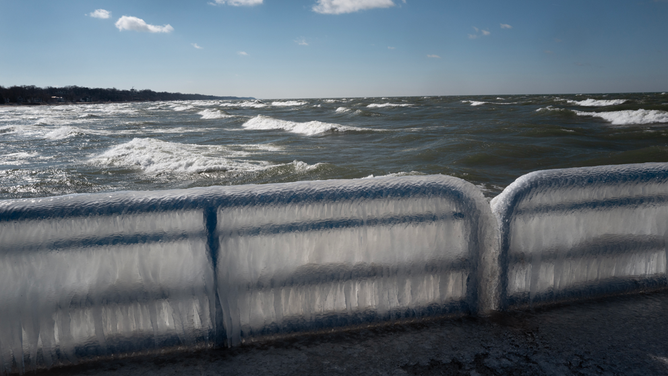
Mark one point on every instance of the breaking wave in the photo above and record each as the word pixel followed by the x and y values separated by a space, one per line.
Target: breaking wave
pixel 213 114
pixel 155 157
pixel 589 102
pixel 309 128
pixel 628 117
pixel 287 103
pixel 381 105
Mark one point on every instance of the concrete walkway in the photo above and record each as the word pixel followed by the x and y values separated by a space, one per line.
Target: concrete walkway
pixel 625 335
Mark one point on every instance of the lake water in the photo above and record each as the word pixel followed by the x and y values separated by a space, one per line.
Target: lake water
pixel 486 140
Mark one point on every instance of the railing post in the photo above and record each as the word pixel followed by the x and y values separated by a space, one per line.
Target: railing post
pixel 212 244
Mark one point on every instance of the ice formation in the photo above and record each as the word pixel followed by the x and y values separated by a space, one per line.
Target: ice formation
pixel 100 274
pixel 582 232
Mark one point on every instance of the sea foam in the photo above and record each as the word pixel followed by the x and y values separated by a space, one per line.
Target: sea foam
pixel 154 156
pixel 381 105
pixel 628 117
pixel 309 128
pixel 589 102
pixel 208 114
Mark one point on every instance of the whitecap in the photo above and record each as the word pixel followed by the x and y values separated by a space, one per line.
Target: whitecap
pixel 589 102
pixel 182 108
pixel 288 103
pixel 627 117
pixel 308 128
pixel 474 103
pixel 550 108
pixel 213 114
pixel 381 105
pixel 156 157
pixel 62 132
pixel 343 109
pixel 247 104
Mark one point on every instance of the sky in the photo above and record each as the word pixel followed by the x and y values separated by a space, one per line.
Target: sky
pixel 338 48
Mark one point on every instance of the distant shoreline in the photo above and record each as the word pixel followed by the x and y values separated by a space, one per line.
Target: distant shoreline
pixel 32 96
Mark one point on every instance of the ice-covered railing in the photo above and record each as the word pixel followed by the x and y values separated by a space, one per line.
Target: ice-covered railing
pixel 93 275
pixel 100 274
pixel 582 232
pixel 330 253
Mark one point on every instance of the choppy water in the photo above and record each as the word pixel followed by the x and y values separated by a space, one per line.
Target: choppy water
pixel 487 140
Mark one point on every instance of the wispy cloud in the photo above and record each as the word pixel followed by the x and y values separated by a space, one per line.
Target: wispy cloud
pixel 548 52
pixel 100 13
pixel 137 24
pixel 506 26
pixel 390 47
pixel 196 46
pixel 433 56
pixel 242 53
pixel 301 42
pixel 479 33
pixel 237 3
pixel 349 6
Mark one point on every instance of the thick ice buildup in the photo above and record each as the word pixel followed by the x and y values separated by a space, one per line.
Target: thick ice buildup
pixel 100 274
pixel 582 232
pixel 309 255
pixel 89 275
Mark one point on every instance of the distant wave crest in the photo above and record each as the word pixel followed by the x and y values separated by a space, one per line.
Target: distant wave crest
pixel 589 102
pixel 381 105
pixel 309 128
pixel 628 117
pixel 213 114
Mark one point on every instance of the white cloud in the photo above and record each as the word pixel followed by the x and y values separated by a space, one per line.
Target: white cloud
pixel 100 13
pixel 242 53
pixel 349 6
pixel 196 46
pixel 238 3
pixel 506 26
pixel 137 24
pixel 390 47
pixel 433 56
pixel 301 42
pixel 479 33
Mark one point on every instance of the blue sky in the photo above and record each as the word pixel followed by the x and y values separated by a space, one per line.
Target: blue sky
pixel 338 48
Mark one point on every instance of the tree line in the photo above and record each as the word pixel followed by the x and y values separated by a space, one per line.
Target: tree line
pixel 77 94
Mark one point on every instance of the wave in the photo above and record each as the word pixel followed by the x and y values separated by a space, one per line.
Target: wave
pixel 63 132
pixel 474 103
pixel 156 157
pixel 589 102
pixel 287 103
pixel 550 108
pixel 309 128
pixel 343 109
pixel 183 108
pixel 394 174
pixel 244 104
pixel 17 158
pixel 213 114
pixel 628 117
pixel 381 105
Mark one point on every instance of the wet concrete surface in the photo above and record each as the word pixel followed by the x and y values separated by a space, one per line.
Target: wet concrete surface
pixel 623 335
